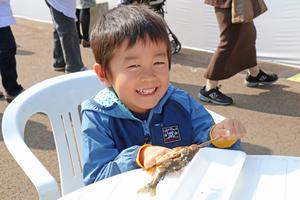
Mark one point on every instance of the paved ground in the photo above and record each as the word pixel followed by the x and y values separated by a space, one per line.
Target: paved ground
pixel 271 114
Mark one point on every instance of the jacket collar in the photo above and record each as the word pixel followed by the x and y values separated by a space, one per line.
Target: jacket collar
pixel 107 102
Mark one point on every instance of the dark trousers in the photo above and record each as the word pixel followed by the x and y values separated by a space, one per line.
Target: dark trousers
pixel 66 51
pixel 83 16
pixel 8 62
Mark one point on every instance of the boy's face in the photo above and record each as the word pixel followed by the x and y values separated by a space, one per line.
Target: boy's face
pixel 140 74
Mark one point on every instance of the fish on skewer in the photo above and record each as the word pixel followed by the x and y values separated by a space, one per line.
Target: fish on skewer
pixel 172 161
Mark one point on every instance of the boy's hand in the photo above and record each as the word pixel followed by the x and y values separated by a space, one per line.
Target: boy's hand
pixel 229 130
pixel 150 154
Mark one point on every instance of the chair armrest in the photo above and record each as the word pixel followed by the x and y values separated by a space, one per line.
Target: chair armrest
pixel 13 135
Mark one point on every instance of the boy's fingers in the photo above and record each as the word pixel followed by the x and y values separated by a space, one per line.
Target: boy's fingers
pixel 240 131
pixel 149 164
pixel 224 133
pixel 230 130
pixel 228 135
pixel 243 131
pixel 164 155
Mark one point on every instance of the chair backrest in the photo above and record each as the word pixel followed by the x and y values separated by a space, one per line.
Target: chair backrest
pixel 59 98
pixel 66 96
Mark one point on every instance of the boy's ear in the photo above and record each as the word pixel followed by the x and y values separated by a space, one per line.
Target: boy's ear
pixel 101 74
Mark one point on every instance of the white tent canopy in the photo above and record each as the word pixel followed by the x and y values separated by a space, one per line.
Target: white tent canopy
pixel 194 23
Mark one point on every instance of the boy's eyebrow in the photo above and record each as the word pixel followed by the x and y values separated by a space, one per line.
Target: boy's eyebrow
pixel 159 54
pixel 131 58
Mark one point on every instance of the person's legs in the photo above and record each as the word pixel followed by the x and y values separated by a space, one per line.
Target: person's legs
pixel 8 64
pixel 235 41
pixel 58 56
pixel 253 71
pixel 78 11
pixel 218 68
pixel 85 25
pixel 67 33
pixel 210 84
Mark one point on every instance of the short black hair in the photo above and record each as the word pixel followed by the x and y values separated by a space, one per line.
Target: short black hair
pixel 127 22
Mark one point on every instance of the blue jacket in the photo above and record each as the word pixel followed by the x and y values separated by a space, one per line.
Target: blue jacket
pixel 112 135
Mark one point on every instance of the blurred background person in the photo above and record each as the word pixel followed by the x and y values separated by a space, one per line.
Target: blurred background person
pixel 83 20
pixel 7 53
pixel 236 52
pixel 66 52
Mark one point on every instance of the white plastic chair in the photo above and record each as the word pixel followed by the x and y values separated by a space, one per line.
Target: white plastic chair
pixel 59 98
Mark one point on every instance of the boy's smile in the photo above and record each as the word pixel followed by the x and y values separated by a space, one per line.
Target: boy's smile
pixel 146 91
pixel 139 74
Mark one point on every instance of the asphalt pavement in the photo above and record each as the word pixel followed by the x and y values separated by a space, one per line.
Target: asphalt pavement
pixel 271 114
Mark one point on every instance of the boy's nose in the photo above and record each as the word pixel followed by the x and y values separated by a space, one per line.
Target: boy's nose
pixel 148 78
pixel 148 74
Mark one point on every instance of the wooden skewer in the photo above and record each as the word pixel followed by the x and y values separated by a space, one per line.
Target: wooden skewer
pixel 208 142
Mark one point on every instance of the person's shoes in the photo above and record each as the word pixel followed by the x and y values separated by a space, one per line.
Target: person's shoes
pixel 72 70
pixel 85 43
pixel 10 98
pixel 59 68
pixel 214 96
pixel 261 79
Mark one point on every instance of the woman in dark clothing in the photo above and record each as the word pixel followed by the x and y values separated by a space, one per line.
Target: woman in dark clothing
pixel 236 52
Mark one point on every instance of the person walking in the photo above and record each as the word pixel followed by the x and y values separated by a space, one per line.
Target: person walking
pixel 7 53
pixel 66 52
pixel 236 52
pixel 83 20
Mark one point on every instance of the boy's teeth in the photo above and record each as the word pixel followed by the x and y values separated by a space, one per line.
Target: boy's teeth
pixel 146 91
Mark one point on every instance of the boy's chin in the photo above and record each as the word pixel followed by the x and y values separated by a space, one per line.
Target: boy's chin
pixel 144 109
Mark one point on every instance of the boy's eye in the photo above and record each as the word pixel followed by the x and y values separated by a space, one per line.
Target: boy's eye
pixel 159 63
pixel 133 66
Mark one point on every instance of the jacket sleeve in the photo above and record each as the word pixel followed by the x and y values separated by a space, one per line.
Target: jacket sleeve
pixel 202 121
pixel 101 158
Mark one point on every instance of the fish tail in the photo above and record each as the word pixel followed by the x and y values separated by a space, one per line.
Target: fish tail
pixel 149 189
pixel 143 189
pixel 152 191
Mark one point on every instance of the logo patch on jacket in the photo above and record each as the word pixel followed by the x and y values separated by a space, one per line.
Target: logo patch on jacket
pixel 171 134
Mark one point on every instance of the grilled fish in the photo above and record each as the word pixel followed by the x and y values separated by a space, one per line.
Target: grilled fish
pixel 172 161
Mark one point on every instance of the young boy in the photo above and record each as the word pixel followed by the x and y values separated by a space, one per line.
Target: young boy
pixel 140 116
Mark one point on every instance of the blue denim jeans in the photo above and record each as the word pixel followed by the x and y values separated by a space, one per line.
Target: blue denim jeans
pixel 8 62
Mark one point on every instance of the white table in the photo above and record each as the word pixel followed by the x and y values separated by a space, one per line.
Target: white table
pixel 212 174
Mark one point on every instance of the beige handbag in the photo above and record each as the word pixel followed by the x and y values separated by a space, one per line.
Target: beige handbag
pixel 246 10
